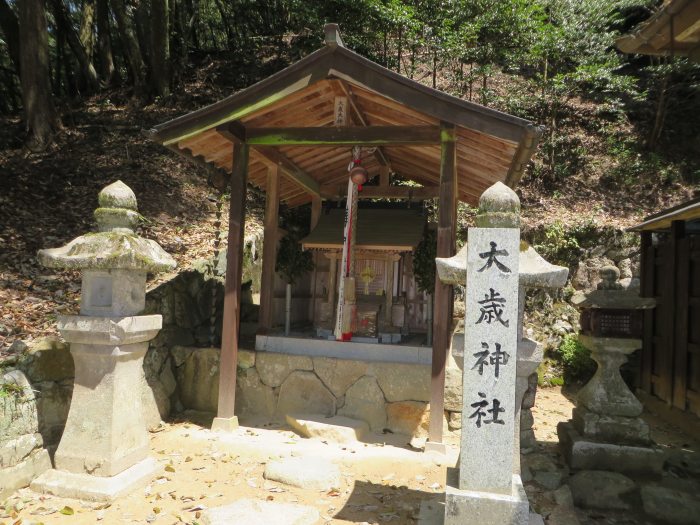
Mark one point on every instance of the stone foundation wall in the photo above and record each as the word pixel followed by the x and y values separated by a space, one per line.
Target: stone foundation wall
pixel 392 396
pixel 35 393
pixel 270 385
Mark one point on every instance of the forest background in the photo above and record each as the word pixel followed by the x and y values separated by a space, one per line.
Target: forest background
pixel 81 79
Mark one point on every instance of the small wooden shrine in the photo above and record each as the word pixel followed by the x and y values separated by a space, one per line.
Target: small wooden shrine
pixel 294 134
pixel 388 303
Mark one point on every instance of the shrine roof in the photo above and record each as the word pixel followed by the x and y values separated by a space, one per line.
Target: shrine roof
pixel 674 29
pixel 662 220
pixel 301 99
pixel 377 229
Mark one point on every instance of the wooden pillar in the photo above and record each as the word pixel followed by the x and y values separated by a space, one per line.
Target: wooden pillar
pixel 389 289
pixel 664 387
pixel 267 281
pixel 648 261
pixel 680 317
pixel 315 211
pixel 232 293
pixel 315 216
pixel 332 281
pixel 384 172
pixel 442 314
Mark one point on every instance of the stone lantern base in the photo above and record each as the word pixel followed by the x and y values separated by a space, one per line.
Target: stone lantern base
pixel 103 453
pixel 581 453
pixel 606 432
pixel 95 488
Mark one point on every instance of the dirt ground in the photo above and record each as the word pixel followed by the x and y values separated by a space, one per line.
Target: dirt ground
pixel 382 482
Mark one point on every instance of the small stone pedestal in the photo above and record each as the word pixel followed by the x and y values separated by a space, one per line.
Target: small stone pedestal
pixel 471 506
pixel 606 432
pixel 103 453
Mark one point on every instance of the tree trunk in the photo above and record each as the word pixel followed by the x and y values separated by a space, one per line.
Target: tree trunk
pixel 192 15
pixel 10 28
pixel 398 52
pixel 659 114
pixel 87 32
pixel 88 70
pixel 434 67
pixel 131 48
pixel 104 44
pixel 142 14
pixel 287 309
pixel 230 40
pixel 40 116
pixel 160 48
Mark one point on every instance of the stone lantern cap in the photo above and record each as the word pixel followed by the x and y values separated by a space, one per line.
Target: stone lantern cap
pixel 115 246
pixel 611 294
pixel 535 272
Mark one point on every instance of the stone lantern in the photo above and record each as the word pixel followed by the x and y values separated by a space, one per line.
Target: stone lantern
pixel 606 432
pixel 103 452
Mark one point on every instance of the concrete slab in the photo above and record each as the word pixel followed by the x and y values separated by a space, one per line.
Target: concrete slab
pixel 392 353
pixel 96 488
pixel 263 512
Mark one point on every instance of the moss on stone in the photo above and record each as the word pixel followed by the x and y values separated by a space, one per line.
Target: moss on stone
pixel 117 195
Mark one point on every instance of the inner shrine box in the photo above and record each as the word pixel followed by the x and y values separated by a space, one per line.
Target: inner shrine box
pixel 387 298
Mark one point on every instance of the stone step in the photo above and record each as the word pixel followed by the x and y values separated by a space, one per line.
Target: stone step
pixel 304 472
pixel 259 511
pixel 335 429
pixel 684 464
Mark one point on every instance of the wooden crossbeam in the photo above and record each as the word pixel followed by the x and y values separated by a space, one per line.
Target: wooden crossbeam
pixel 334 136
pixel 236 132
pixel 333 191
pixel 290 169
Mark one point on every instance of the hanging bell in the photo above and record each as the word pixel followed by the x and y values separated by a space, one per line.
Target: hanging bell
pixel 358 175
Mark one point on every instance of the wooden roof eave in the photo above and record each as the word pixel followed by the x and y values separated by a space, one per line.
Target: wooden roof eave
pixel 356 69
pixel 247 101
pixel 662 220
pixel 341 62
pixel 653 36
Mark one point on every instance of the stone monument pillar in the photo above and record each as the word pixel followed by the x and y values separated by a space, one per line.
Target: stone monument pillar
pixel 606 432
pixel 487 491
pixel 534 273
pixel 103 452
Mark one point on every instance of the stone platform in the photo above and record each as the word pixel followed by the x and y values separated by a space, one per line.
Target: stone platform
pixel 583 454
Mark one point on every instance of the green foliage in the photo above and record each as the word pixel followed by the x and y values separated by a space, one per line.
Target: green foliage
pixel 549 373
pixel 424 262
pixel 558 244
pixel 292 262
pixel 563 244
pixel 636 166
pixel 10 390
pixel 576 359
